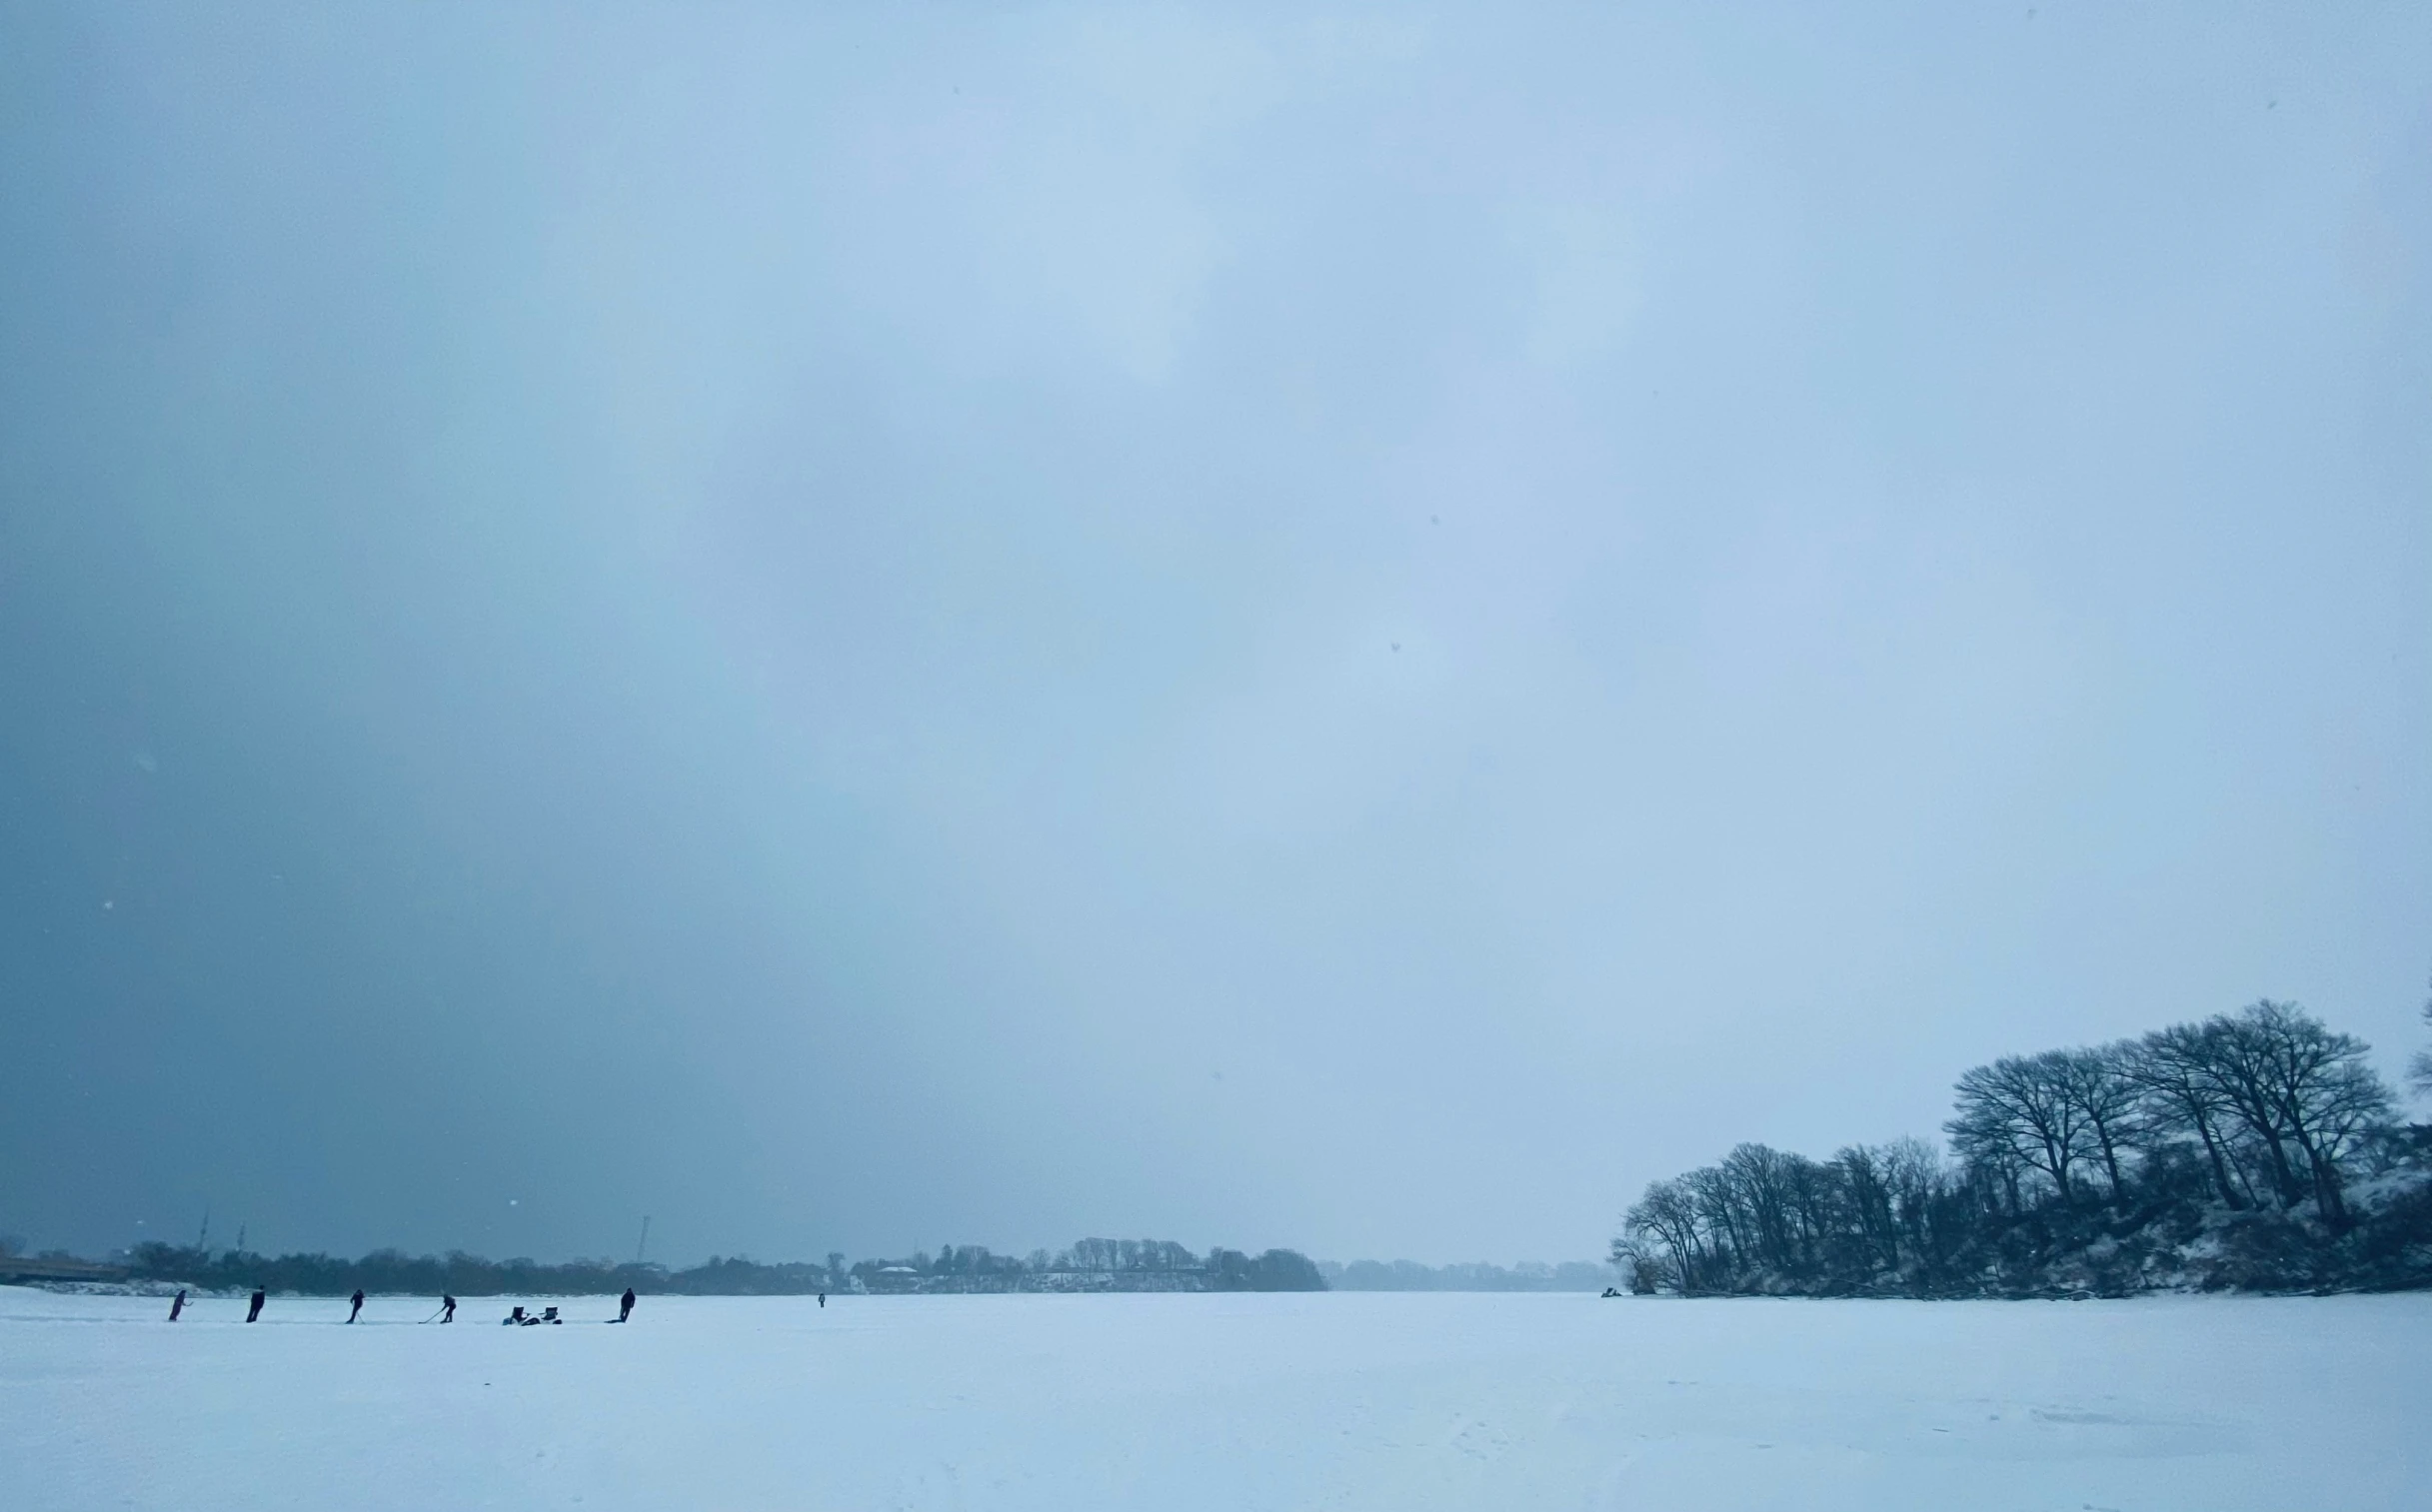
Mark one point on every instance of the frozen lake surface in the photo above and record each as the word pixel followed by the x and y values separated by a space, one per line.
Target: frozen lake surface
pixel 1346 1401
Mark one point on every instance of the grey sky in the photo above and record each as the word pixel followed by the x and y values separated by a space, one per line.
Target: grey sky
pixel 1356 628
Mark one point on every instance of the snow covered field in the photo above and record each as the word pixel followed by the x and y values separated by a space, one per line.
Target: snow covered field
pixel 1393 1400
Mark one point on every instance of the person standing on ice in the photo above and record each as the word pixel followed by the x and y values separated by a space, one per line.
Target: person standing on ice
pixel 447 1309
pixel 179 1305
pixel 625 1305
pixel 255 1310
pixel 358 1309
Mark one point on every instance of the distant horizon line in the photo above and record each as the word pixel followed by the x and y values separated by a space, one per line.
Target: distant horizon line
pixel 220 1254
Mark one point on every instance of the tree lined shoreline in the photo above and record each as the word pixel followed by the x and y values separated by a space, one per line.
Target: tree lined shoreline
pixel 1087 1265
pixel 2255 1151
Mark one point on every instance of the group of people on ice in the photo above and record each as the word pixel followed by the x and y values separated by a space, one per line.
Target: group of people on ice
pixel 446 1313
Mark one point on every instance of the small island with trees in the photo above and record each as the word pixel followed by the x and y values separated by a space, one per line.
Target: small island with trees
pixel 2254 1151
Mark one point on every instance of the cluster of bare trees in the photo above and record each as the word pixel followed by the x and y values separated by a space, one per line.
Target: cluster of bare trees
pixel 976 1263
pixel 2263 1109
pixel 1092 1265
pixel 1118 1255
pixel 2278 1103
pixel 1897 1208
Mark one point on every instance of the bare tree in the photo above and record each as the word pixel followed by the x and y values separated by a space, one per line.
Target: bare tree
pixel 1760 1182
pixel 1718 1199
pixel 2294 1082
pixel 2240 1063
pixel 1643 1265
pixel 2419 1065
pixel 1865 1183
pixel 1669 1212
pixel 2175 1067
pixel 1983 1144
pixel 1818 1209
pixel 2098 1083
pixel 2024 1104
pixel 1918 1176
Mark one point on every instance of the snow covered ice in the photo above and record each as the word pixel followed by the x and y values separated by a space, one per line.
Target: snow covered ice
pixel 1393 1400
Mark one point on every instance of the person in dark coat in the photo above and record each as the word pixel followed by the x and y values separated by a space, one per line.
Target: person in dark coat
pixel 447 1309
pixel 625 1305
pixel 255 1312
pixel 179 1305
pixel 358 1309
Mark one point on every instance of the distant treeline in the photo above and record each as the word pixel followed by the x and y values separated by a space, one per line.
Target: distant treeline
pixel 1409 1275
pixel 1089 1265
pixel 2255 1151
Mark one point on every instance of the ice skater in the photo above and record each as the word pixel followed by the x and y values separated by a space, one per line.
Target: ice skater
pixel 179 1305
pixel 625 1305
pixel 255 1312
pixel 358 1309
pixel 447 1309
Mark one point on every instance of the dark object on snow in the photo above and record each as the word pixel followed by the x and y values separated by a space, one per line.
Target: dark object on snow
pixel 358 1309
pixel 625 1305
pixel 550 1315
pixel 823 1299
pixel 1609 1292
pixel 179 1305
pixel 516 1318
pixel 255 1312
pixel 447 1309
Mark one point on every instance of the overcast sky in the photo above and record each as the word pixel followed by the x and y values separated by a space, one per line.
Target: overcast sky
pixel 1353 628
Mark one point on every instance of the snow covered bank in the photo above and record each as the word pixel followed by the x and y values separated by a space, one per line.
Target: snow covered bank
pixel 1391 1400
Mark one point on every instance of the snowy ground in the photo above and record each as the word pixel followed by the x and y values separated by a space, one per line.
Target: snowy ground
pixel 1377 1400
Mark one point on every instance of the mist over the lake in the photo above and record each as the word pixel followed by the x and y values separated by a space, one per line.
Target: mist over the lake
pixel 1347 627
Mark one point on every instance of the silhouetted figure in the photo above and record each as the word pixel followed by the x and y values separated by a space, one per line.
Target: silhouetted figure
pixel 823 1299
pixel 514 1318
pixel 358 1309
pixel 255 1312
pixel 550 1315
pixel 625 1305
pixel 179 1305
pixel 447 1309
